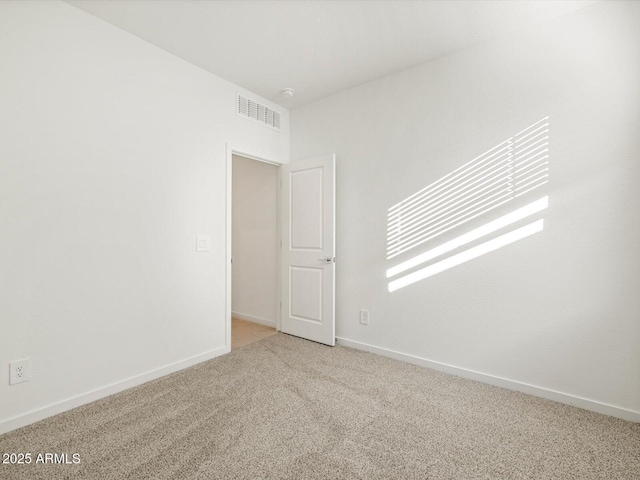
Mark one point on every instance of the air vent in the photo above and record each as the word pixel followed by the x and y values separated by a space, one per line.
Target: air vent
pixel 258 112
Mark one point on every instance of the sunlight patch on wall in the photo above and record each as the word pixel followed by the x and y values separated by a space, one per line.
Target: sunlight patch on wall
pixel 470 254
pixel 469 237
pixel 515 167
pixel 510 169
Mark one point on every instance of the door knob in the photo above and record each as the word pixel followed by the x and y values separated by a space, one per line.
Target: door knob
pixel 327 259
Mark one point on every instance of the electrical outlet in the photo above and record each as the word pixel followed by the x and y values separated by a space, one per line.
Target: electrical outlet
pixel 203 243
pixel 364 317
pixel 19 371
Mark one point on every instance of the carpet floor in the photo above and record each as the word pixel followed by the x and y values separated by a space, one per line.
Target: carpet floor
pixel 286 408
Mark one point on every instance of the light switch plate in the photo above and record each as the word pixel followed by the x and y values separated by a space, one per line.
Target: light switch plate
pixel 203 243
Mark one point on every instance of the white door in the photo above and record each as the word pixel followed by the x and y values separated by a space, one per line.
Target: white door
pixel 308 249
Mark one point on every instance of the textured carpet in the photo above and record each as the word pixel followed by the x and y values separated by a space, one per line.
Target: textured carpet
pixel 287 408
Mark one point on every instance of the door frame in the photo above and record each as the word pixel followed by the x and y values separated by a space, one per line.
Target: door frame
pixel 252 154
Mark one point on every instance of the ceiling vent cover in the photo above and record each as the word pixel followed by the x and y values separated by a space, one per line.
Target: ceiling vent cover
pixel 258 112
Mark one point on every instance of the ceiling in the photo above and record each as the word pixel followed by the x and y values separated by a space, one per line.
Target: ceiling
pixel 317 47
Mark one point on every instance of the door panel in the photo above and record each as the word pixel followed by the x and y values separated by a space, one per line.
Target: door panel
pixel 306 293
pixel 306 209
pixel 308 249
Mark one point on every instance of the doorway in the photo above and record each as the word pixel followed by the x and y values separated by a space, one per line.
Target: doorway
pixel 254 250
pixel 304 278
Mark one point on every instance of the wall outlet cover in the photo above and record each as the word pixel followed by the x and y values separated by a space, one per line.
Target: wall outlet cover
pixel 203 243
pixel 19 371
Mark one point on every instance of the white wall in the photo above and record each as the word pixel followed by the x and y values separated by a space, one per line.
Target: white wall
pixel 254 235
pixel 557 314
pixel 112 160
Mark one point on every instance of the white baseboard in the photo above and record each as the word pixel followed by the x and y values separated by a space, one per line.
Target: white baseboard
pixel 565 398
pixel 251 318
pixel 93 395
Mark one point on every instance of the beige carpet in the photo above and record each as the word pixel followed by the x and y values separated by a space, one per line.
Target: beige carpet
pixel 287 408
